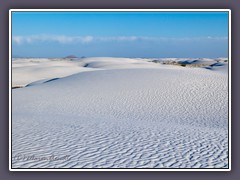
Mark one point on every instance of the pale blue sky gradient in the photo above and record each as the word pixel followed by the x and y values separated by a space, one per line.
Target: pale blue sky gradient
pixel 124 34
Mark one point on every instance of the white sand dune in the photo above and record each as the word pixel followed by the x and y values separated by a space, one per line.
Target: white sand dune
pixel 119 113
pixel 26 71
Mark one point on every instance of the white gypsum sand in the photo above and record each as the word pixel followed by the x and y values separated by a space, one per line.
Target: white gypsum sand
pixel 119 113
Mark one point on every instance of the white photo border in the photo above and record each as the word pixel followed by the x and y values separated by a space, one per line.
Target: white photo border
pixel 120 10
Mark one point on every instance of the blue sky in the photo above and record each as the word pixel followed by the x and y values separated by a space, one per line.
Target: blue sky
pixel 120 34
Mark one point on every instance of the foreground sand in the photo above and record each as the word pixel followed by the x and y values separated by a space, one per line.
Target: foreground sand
pixel 119 113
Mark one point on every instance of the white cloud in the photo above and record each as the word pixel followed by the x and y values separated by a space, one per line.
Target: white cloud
pixel 17 39
pixel 52 38
pixel 88 39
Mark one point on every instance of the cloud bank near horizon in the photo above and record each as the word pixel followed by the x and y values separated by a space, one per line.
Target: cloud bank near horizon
pixel 62 39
